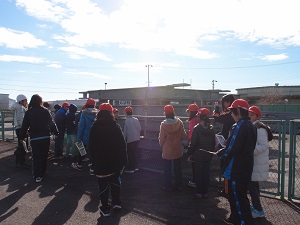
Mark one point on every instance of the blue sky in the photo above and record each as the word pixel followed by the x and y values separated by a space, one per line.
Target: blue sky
pixel 57 48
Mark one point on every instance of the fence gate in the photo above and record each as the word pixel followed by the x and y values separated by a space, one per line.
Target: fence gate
pixel 294 161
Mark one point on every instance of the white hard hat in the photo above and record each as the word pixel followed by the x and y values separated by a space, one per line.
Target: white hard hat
pixel 20 98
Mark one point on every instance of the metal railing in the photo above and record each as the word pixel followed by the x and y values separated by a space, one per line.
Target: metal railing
pixel 284 155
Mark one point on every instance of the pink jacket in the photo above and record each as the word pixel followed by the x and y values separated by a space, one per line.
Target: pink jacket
pixel 193 122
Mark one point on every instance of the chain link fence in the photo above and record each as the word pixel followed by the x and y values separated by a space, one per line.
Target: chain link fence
pixel 294 161
pixel 284 172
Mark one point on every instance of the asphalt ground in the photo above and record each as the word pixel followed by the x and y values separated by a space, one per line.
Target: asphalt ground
pixel 68 196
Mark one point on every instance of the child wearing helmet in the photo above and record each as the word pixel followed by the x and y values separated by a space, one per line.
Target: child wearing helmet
pixel 238 155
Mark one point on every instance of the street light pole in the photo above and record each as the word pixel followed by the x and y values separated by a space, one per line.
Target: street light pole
pixel 105 85
pixel 148 74
pixel 213 84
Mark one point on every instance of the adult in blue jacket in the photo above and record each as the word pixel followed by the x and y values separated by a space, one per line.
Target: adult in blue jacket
pixel 238 155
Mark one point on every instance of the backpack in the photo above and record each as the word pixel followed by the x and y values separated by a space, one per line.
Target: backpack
pixel 267 128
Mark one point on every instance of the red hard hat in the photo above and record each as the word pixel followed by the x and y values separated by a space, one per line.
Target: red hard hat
pixel 90 101
pixel 192 107
pixel 66 104
pixel 239 103
pixel 203 111
pixel 168 109
pixel 106 106
pixel 128 109
pixel 255 110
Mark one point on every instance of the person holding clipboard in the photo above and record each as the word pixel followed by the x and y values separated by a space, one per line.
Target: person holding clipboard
pixel 202 144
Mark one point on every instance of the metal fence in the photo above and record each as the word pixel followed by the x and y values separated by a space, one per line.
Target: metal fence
pixel 284 175
pixel 294 161
pixel 7 125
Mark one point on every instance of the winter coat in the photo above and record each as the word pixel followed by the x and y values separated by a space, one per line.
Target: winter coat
pixel 19 115
pixel 238 153
pixel 71 120
pixel 193 122
pixel 170 135
pixel 261 156
pixel 87 119
pixel 132 129
pixel 202 138
pixel 60 119
pixel 227 121
pixel 107 147
pixel 39 122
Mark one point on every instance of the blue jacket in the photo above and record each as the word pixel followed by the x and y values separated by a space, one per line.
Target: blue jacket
pixel 87 119
pixel 71 120
pixel 239 151
pixel 60 119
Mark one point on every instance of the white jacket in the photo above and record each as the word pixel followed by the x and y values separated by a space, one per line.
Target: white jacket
pixel 261 156
pixel 19 115
pixel 132 129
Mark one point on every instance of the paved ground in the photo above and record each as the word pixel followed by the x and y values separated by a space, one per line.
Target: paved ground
pixel 70 197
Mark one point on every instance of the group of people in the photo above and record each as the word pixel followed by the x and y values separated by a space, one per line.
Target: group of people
pixel 244 159
pixel 113 149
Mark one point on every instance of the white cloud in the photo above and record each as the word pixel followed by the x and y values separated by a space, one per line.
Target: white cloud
pixel 23 59
pixel 176 26
pixel 275 57
pixel 18 39
pixel 77 53
pixel 54 65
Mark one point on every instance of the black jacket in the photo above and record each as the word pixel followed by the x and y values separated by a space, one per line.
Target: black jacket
pixel 238 153
pixel 202 138
pixel 227 121
pixel 107 147
pixel 40 123
pixel 71 120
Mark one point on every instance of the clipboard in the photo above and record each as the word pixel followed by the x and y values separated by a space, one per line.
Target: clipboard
pixel 81 148
pixel 25 146
pixel 221 140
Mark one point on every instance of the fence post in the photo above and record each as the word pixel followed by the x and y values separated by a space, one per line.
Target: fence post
pixel 291 156
pixel 282 140
pixel 2 125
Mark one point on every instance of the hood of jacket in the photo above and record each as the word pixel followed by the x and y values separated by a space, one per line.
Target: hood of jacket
pixel 73 108
pixel 171 125
pixel 90 113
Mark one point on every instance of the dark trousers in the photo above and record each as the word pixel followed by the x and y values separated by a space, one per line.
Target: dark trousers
pixel 40 150
pixel 132 152
pixel 112 184
pixel 254 192
pixel 20 151
pixel 59 144
pixel 174 164
pixel 239 203
pixel 202 176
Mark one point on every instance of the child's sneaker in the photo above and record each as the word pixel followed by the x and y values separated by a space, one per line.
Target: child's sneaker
pixel 192 184
pixel 117 207
pixel 258 213
pixel 38 179
pixel 92 172
pixel 104 212
pixel 76 166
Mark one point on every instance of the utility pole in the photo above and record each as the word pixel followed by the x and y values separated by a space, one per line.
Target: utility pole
pixel 213 84
pixel 148 66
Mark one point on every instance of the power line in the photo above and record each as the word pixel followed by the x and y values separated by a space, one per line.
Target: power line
pixel 233 67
